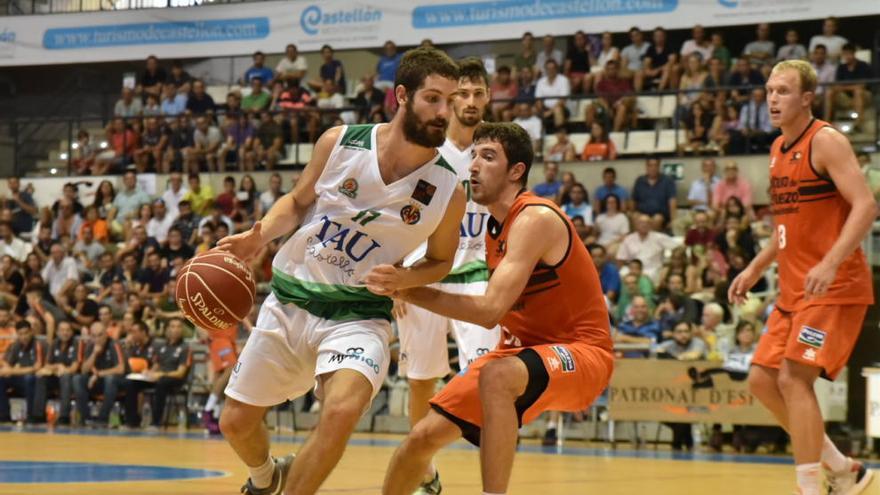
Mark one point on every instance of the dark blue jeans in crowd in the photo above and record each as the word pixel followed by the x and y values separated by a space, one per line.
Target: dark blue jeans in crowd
pixel 64 385
pixel 21 385
pixel 165 386
pixel 108 385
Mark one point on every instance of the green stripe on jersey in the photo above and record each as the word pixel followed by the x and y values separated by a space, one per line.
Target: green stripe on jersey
pixel 358 136
pixel 330 301
pixel 475 271
pixel 442 163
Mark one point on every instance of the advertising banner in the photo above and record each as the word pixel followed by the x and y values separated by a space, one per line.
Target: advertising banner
pixel 242 28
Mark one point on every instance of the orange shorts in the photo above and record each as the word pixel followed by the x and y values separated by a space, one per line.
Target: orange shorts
pixel 223 354
pixel 562 377
pixel 821 336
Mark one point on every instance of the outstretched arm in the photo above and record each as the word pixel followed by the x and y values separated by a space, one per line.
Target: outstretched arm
pixel 442 245
pixel 535 235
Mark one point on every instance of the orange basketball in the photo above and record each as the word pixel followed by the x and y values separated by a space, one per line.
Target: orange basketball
pixel 215 290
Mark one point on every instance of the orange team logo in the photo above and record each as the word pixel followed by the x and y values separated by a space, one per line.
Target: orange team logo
pixel 410 214
pixel 349 188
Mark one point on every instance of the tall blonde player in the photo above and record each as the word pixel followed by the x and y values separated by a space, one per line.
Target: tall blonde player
pixel 822 209
pixel 423 334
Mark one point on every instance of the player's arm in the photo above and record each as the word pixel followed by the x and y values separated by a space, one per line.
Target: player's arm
pixel 833 156
pixel 385 280
pixel 533 235
pixel 286 214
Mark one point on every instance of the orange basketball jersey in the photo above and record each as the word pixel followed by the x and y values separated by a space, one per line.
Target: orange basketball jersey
pixel 809 213
pixel 560 304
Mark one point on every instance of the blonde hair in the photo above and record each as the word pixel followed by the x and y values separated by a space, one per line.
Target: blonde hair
pixel 806 73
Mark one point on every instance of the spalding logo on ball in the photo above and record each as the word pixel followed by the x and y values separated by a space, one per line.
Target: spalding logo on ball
pixel 215 290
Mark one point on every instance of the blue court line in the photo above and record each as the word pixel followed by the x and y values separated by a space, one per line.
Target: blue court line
pixel 88 472
pixel 380 442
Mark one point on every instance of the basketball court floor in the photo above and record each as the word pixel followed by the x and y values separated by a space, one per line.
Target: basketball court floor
pixel 37 462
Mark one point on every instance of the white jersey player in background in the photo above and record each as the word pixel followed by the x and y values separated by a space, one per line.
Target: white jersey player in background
pixel 370 195
pixel 423 334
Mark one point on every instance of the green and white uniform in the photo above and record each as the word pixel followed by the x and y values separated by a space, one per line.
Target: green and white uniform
pixel 320 318
pixel 423 334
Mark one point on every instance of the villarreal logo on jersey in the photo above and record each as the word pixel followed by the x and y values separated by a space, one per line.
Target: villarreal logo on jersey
pixel 410 214
pixel 349 187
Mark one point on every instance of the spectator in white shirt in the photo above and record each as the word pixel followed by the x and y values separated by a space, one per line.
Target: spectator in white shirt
pixel 158 226
pixel 553 84
pixel 530 122
pixel 174 194
pixel 632 56
pixel 700 192
pixel 613 224
pixel 11 245
pixel 829 37
pixel 292 68
pixel 550 52
pixel 273 194
pixel 697 44
pixel 792 49
pixel 761 51
pixel 60 271
pixel 646 245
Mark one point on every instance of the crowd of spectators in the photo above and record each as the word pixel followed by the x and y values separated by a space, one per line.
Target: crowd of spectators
pixel 167 121
pixel 87 305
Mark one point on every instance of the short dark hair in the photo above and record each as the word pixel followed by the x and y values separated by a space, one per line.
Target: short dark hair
pixel 610 170
pixel 820 45
pixel 141 325
pixel 848 47
pixel 636 261
pixel 503 70
pixel 598 246
pixel 22 324
pixel 472 69
pixel 514 140
pixel 258 52
pixel 604 202
pixel 417 64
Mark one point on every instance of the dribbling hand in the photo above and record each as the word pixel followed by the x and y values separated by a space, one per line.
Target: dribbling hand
pixel 245 245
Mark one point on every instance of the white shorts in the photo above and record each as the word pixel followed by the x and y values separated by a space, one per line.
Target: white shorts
pixel 423 335
pixel 289 348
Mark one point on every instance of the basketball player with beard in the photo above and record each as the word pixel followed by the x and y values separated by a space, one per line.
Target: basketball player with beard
pixel 423 334
pixel 370 195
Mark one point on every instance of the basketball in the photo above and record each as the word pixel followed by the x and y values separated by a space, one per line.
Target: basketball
pixel 215 290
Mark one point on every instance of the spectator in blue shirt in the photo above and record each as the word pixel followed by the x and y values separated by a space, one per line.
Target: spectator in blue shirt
pixel 551 185
pixel 386 68
pixel 173 103
pixel 641 328
pixel 610 187
pixel 331 69
pixel 258 70
pixel 854 93
pixel 609 277
pixel 654 194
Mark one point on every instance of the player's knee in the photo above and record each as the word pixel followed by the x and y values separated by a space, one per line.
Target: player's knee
pixel 422 439
pixel 760 384
pixel 792 383
pixel 496 380
pixel 234 421
pixel 340 413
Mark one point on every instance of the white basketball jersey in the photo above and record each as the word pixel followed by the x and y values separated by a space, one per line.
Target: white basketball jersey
pixel 358 222
pixel 470 259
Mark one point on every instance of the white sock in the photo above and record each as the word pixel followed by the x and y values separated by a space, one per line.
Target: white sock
pixel 487 493
pixel 832 457
pixel 808 478
pixel 261 476
pixel 218 408
pixel 212 402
